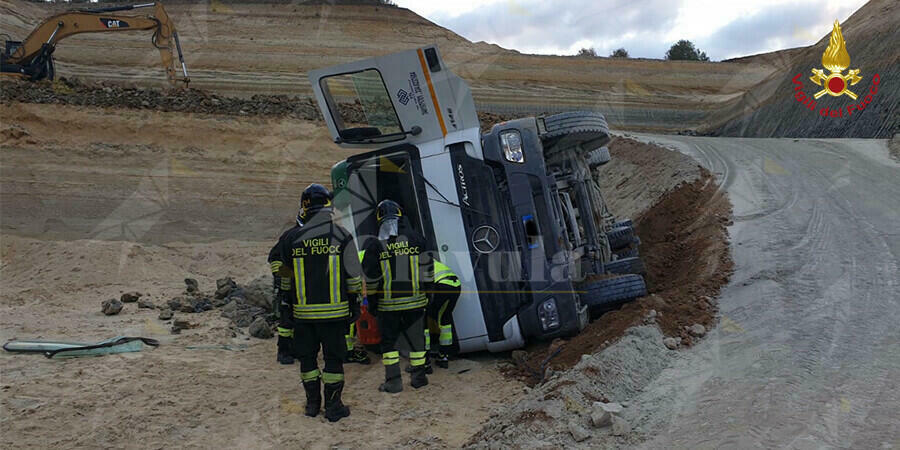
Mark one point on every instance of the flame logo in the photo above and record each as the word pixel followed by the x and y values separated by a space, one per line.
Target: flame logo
pixel 836 58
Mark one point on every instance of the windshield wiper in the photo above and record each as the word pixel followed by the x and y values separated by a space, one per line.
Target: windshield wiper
pixel 363 135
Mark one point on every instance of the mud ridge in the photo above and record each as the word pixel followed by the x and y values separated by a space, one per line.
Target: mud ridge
pixel 685 249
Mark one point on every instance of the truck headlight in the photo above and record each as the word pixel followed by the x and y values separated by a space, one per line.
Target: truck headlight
pixel 549 314
pixel 511 141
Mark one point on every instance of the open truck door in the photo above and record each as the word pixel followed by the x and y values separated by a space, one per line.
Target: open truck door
pixel 403 98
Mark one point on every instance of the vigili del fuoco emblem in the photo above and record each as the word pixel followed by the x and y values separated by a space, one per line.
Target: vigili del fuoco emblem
pixel 836 60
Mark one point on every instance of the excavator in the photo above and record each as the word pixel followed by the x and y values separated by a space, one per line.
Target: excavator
pixel 32 58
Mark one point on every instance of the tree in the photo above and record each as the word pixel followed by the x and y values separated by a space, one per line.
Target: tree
pixel 619 53
pixel 587 52
pixel 684 50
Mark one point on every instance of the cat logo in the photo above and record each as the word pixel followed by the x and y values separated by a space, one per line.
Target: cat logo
pixel 113 23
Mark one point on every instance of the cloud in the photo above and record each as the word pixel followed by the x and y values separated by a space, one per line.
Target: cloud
pixel 549 27
pixel 794 25
pixel 646 28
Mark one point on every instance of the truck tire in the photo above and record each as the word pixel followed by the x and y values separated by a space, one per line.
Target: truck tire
pixel 613 291
pixel 624 223
pixel 626 265
pixel 568 131
pixel 627 252
pixel 620 237
pixel 598 157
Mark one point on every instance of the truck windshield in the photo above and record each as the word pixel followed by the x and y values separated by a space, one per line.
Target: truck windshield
pixel 388 176
pixel 361 107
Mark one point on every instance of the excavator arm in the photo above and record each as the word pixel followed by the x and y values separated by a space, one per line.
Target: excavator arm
pixel 32 58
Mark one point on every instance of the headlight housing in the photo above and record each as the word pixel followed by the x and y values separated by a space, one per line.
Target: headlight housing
pixel 548 313
pixel 511 141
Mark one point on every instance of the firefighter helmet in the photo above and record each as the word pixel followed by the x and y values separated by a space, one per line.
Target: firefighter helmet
pixel 314 198
pixel 388 209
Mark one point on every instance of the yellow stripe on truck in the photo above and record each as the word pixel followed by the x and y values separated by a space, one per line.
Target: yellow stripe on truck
pixel 437 108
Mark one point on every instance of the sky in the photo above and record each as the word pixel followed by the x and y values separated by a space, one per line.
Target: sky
pixel 645 28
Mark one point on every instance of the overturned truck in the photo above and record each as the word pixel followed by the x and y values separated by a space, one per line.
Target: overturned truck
pixel 516 211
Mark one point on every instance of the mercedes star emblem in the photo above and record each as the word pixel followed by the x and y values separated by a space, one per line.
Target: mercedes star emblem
pixel 485 239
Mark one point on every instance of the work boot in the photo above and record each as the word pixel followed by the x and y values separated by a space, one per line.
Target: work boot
pixel 357 356
pixel 334 408
pixel 313 397
pixel 392 381
pixel 428 369
pixel 442 360
pixel 284 350
pixel 419 377
pixel 285 358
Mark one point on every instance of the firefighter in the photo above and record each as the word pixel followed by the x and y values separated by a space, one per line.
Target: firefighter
pixel 398 270
pixel 440 309
pixel 281 303
pixel 281 306
pixel 322 260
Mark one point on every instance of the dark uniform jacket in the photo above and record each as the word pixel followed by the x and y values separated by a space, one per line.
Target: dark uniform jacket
pixel 323 262
pixel 398 272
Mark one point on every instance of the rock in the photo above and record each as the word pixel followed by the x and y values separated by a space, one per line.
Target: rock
pixel 186 306
pixel 672 343
pixel 620 426
pixel 578 432
pixel 519 356
pixel 146 304
pixel 259 293
pixel 602 413
pixel 130 297
pixel 223 291
pixel 175 303
pixel 229 308
pixel 201 304
pixel 227 281
pixel 260 329
pixel 166 314
pixel 111 307
pixel 191 285
pixel 697 330
pixel 220 302
pixel 224 286
pixel 179 325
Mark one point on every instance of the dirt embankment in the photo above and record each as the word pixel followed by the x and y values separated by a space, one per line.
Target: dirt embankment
pixel 247 48
pixel 684 245
pixel 74 92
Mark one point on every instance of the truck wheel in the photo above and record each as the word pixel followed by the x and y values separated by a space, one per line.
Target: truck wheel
pixel 613 291
pixel 598 157
pixel 624 223
pixel 626 265
pixel 627 252
pixel 620 237
pixel 569 131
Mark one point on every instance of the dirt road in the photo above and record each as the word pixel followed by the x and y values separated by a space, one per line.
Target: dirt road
pixel 807 353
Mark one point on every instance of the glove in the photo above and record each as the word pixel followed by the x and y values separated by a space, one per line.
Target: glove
pixel 355 311
pixel 286 315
